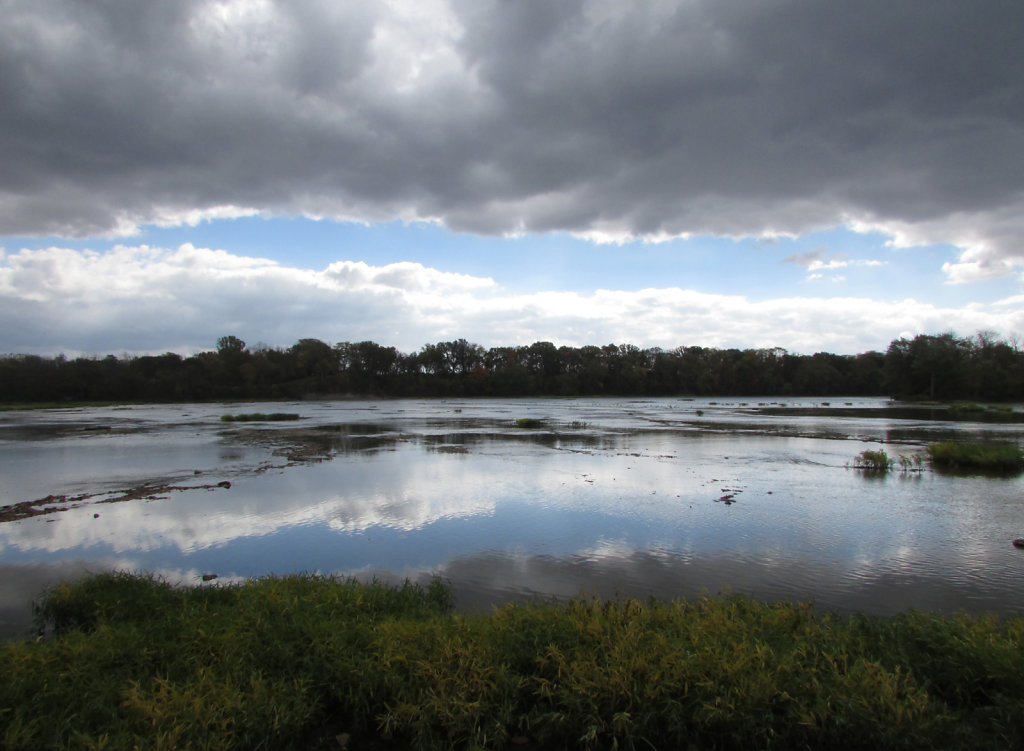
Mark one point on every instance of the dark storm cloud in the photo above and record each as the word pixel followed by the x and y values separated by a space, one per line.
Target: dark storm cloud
pixel 614 119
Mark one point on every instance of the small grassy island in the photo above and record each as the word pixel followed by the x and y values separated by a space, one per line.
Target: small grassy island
pixel 949 456
pixel 129 661
pixel 1000 457
pixel 261 417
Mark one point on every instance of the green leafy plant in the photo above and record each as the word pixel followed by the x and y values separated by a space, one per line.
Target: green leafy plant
pixel 132 662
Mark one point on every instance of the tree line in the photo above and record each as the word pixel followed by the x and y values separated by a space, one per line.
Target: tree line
pixel 942 366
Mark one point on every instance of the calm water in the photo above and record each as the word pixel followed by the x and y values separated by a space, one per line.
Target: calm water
pixel 672 497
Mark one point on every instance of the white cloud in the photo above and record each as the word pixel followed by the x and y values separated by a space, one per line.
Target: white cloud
pixel 404 275
pixel 817 261
pixel 988 240
pixel 144 299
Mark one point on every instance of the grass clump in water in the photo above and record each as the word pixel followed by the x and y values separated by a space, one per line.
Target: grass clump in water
pixel 529 422
pixel 287 662
pixel 966 410
pixel 873 461
pixel 261 417
pixel 1004 457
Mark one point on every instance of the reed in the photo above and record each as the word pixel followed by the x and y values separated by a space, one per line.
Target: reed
pixel 873 461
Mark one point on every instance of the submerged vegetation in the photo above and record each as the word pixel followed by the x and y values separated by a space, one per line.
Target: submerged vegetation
pixel 929 367
pixel 289 662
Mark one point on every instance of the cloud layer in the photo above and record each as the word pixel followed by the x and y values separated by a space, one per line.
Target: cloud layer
pixel 130 298
pixel 604 119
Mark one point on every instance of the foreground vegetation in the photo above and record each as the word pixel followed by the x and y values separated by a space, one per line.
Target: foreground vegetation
pixel 288 662
pixel 943 366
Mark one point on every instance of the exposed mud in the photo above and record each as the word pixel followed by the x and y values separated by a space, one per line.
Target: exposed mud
pixel 52 504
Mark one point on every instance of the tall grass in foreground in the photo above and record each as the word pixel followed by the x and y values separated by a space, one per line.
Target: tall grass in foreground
pixel 283 663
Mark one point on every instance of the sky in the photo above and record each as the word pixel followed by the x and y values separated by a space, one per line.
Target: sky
pixel 816 176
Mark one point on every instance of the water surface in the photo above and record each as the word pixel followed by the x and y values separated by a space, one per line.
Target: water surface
pixel 670 497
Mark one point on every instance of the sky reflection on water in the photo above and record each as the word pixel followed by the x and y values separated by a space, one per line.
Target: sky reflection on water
pixel 631 496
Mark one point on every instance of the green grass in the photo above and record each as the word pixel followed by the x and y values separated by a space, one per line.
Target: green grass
pixel 529 422
pixel 966 408
pixel 288 662
pixel 970 456
pixel 261 417
pixel 873 461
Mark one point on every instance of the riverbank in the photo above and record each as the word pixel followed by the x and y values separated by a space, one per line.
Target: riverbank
pixel 309 662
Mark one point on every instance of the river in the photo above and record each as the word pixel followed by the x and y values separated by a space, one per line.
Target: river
pixel 515 498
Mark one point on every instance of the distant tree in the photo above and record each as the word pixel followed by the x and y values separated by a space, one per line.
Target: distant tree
pixel 927 365
pixel 313 358
pixel 368 367
pixel 229 344
pixel 941 365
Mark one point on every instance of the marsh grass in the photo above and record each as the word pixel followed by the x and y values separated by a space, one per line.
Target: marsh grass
pixel 912 463
pixel 873 461
pixel 261 417
pixel 529 423
pixel 966 408
pixel 1001 457
pixel 132 662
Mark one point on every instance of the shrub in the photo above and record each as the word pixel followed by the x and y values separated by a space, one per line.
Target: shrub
pixel 288 662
